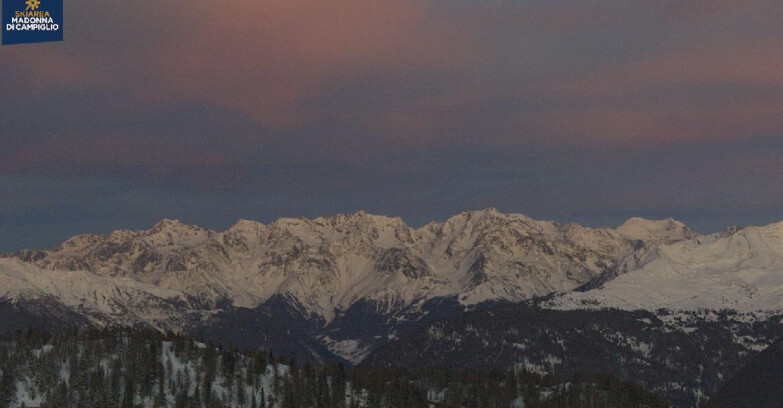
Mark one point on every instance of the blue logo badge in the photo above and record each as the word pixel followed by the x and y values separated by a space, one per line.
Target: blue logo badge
pixel 32 21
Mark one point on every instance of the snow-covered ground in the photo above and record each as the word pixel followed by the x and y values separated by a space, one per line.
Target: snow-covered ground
pixel 742 271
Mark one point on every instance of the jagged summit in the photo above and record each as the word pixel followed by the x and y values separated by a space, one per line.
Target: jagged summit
pixel 633 228
pixel 245 225
pixel 169 223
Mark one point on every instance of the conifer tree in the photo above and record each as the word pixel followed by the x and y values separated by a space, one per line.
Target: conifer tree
pixel 240 393
pixel 7 388
pixel 195 399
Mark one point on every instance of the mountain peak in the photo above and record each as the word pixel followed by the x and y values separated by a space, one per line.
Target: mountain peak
pixel 168 232
pixel 485 211
pixel 245 225
pixel 475 215
pixel 362 217
pixel 168 223
pixel 648 223
pixel 663 231
pixel 175 225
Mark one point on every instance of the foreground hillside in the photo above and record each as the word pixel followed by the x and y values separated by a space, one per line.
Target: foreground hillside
pixel 145 369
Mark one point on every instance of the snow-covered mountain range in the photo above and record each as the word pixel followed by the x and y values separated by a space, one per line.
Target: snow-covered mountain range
pixel 739 269
pixel 328 264
pixel 361 279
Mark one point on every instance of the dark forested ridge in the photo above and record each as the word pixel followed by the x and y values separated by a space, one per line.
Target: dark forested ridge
pixel 124 369
pixel 682 357
pixel 757 385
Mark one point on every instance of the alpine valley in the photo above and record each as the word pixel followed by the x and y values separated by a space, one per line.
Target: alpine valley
pixel 649 301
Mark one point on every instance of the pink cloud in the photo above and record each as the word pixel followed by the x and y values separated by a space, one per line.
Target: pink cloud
pixel 117 151
pixel 264 59
pixel 258 58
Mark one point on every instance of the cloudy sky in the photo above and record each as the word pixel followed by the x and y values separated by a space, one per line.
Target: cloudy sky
pixel 572 110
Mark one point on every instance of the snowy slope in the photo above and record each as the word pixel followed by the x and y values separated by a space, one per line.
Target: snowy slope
pixel 661 231
pixel 739 269
pixel 102 300
pixel 328 264
pixel 332 272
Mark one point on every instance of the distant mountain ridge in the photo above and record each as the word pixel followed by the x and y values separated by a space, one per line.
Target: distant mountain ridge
pixel 369 289
pixel 352 256
pixel 329 271
pixel 741 269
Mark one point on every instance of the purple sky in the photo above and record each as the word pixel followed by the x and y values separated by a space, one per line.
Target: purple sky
pixel 572 110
